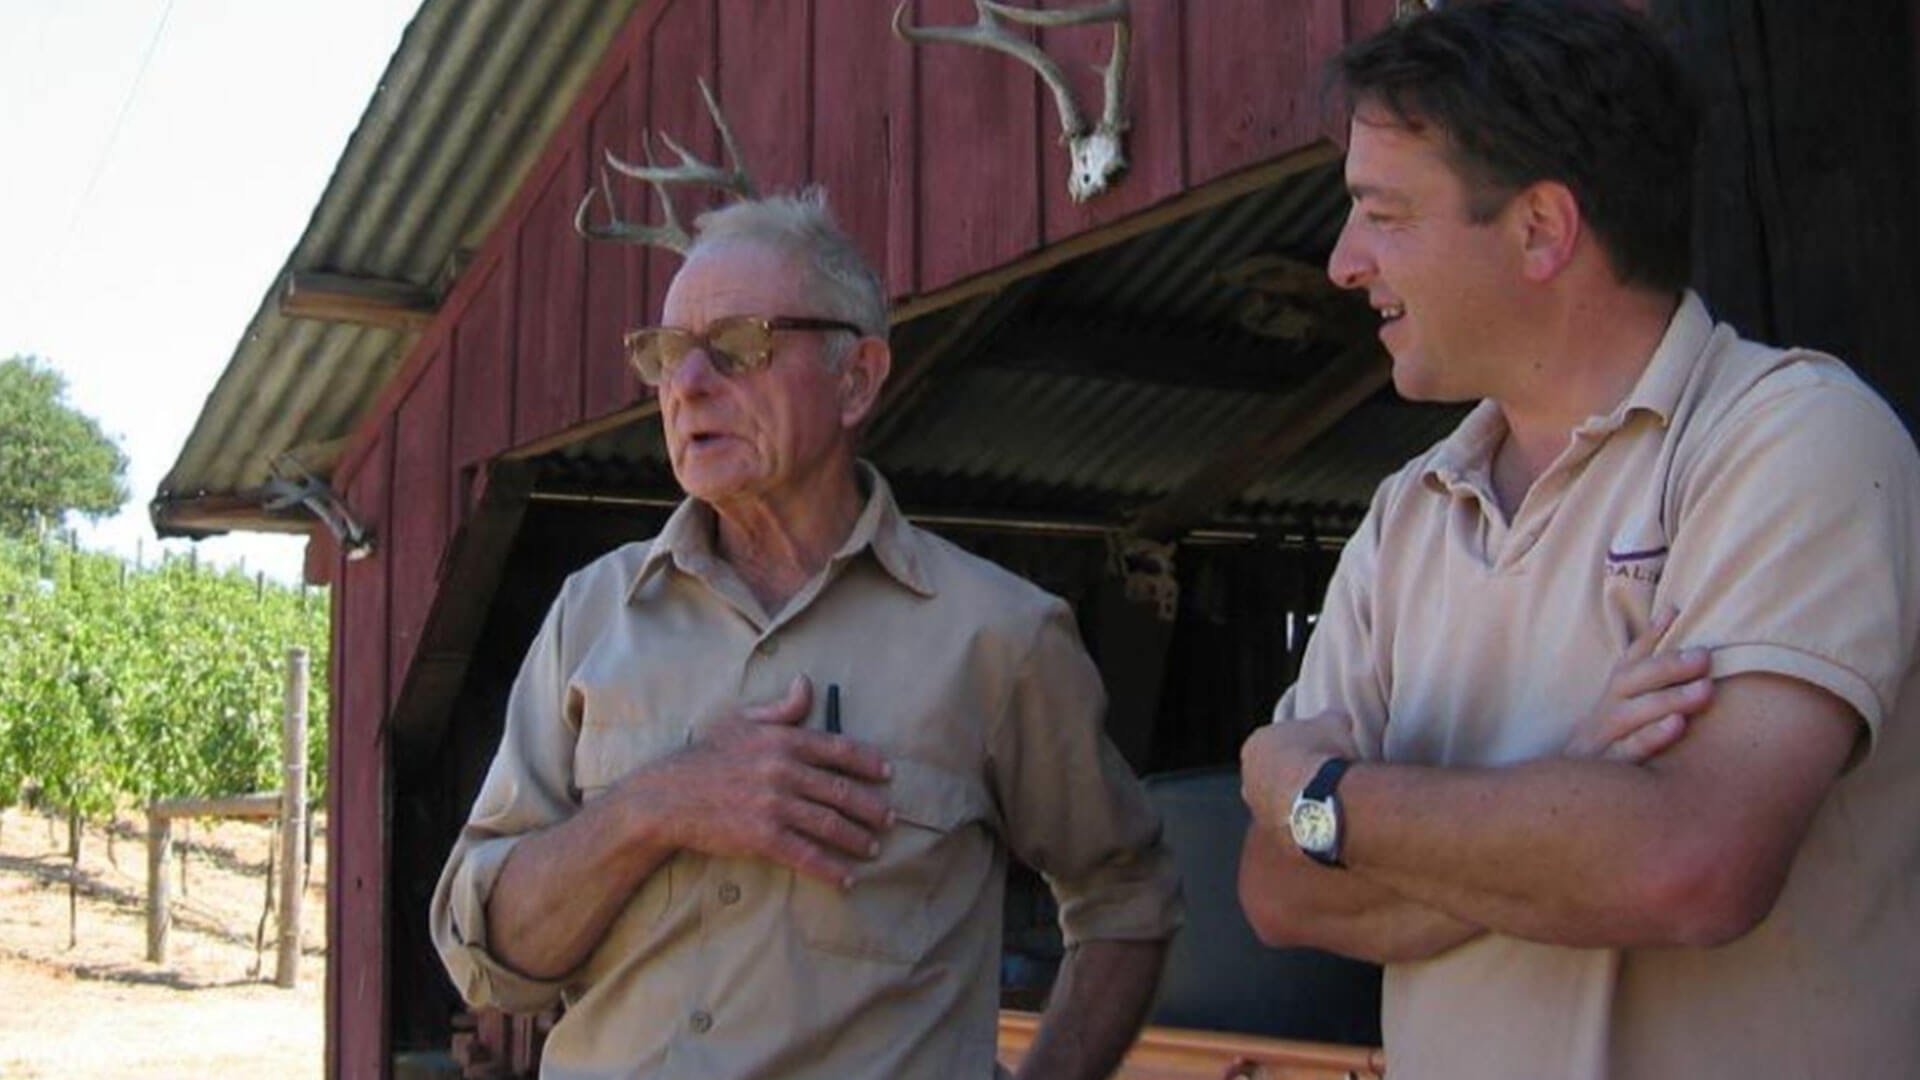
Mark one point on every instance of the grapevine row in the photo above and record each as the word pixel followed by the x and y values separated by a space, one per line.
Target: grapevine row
pixel 122 685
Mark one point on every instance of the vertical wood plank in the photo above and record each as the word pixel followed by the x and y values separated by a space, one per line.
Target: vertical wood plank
pixel 763 86
pixel 683 44
pixel 1365 17
pixel 321 557
pixel 343 611
pixel 1253 74
pixel 850 120
pixel 417 528
pixel 1805 229
pixel 483 386
pixel 904 130
pixel 1152 96
pixel 548 297
pixel 359 795
pixel 979 200
pixel 616 273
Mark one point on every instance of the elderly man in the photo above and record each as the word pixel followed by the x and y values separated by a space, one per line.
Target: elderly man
pixel 761 775
pixel 1738 895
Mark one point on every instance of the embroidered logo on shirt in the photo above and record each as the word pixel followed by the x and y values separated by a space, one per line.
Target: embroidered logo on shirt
pixel 1643 565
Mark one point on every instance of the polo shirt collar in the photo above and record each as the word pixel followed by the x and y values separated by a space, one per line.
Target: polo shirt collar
pixel 686 540
pixel 1666 375
pixel 1468 450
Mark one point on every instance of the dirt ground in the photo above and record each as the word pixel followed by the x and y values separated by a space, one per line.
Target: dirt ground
pixel 97 1009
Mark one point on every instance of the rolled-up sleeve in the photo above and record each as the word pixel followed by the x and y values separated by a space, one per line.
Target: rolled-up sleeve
pixel 1073 809
pixel 529 787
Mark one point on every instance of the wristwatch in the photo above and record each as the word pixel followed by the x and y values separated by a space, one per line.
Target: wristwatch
pixel 1315 819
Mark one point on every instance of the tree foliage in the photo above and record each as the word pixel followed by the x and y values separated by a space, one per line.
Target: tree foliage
pixel 53 458
pixel 120 686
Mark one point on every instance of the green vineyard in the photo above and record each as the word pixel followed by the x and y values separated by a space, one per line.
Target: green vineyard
pixel 121 684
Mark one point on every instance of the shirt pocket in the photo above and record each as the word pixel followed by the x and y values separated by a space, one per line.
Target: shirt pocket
pixel 614 742
pixel 890 913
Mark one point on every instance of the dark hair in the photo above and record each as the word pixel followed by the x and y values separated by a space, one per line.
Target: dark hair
pixel 1577 91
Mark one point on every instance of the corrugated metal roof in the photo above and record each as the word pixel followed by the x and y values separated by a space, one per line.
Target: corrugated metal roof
pixel 466 104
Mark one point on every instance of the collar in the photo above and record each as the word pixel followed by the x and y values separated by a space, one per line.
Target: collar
pixel 686 540
pixel 1667 373
pixel 1469 448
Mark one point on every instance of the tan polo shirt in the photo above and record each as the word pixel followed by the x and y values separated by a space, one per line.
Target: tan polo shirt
pixel 971 681
pixel 1776 500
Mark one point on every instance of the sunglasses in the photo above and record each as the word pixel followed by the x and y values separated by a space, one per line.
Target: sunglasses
pixel 738 345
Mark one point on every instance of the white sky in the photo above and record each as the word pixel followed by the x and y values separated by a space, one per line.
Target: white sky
pixel 161 158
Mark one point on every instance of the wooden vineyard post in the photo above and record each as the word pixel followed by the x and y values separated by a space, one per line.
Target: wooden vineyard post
pixel 293 812
pixel 159 852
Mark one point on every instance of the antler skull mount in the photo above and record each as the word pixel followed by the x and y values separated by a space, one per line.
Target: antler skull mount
pixel 669 234
pixel 1099 155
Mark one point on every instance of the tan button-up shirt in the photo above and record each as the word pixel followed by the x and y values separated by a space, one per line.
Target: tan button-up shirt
pixel 1775 500
pixel 971 681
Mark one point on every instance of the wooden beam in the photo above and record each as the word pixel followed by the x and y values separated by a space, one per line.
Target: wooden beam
pixel 233 806
pixel 1164 1053
pixel 199 516
pixel 469 578
pixel 582 432
pixel 1270 437
pixel 379 302
pixel 1138 350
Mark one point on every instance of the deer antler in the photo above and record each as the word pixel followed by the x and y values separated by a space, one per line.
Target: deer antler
pixel 1098 155
pixel 670 234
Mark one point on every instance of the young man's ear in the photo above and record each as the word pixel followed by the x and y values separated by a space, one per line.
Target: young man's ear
pixel 1550 226
pixel 862 375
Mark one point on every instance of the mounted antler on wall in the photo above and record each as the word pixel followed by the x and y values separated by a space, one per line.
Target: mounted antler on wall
pixel 1098 155
pixel 669 234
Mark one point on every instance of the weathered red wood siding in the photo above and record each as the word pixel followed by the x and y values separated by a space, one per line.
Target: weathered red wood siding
pixel 944 163
pixel 358 790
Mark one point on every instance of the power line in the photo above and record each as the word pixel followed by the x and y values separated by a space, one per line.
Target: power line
pixel 113 140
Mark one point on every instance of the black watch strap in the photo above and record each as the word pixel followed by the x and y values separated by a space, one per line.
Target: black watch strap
pixel 1323 790
pixel 1326 779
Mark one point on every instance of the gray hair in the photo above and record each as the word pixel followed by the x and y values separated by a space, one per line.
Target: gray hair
pixel 839 278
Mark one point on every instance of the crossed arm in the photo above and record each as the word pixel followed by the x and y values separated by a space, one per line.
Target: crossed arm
pixel 1687 845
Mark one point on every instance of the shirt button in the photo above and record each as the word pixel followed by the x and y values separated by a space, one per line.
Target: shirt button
pixel 768 647
pixel 729 893
pixel 701 1023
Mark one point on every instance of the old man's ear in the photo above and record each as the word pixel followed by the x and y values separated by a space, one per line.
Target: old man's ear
pixel 861 377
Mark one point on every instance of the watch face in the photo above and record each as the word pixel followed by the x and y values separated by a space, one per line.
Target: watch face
pixel 1313 825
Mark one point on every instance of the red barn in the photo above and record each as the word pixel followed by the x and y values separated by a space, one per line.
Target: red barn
pixel 1150 401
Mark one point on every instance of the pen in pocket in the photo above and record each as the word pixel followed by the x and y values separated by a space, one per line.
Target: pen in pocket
pixel 833 708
